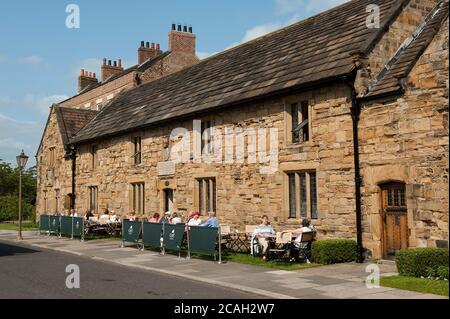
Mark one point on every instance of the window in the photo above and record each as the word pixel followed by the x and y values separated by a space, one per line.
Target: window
pixel 51 157
pixel 93 199
pixel 138 198
pixel 302 195
pixel 94 156
pixel 300 122
pixel 137 150
pixel 395 193
pixel 99 107
pixel 168 200
pixel 206 195
pixel 207 136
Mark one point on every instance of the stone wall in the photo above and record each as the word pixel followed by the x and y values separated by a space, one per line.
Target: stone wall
pixel 401 28
pixel 55 181
pixel 244 194
pixel 406 139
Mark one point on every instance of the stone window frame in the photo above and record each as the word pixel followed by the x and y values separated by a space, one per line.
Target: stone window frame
pixel 93 151
pixel 288 127
pixel 92 188
pixel 287 168
pixel 137 197
pixel 132 150
pixel 212 193
pixel 51 156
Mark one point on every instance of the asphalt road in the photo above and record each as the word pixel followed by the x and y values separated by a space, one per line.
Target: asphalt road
pixel 27 272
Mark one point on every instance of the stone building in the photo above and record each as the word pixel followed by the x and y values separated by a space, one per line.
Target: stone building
pixel 341 118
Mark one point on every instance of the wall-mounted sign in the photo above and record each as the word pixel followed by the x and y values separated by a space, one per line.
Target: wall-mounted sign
pixel 166 168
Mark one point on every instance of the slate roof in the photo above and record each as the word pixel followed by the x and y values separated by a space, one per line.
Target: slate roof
pixel 313 50
pixel 388 80
pixel 71 120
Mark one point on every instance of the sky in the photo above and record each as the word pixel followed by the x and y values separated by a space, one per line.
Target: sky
pixel 40 58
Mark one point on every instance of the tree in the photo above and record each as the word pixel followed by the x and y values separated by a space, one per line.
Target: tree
pixel 9 192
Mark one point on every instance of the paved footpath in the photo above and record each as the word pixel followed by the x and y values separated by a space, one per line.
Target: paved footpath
pixel 335 281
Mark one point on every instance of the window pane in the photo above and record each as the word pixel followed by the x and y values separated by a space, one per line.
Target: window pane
pixel 208 200
pixel 303 197
pixel 402 198
pixel 294 115
pixel 305 121
pixel 313 187
pixel 292 197
pixel 214 194
pixel 200 196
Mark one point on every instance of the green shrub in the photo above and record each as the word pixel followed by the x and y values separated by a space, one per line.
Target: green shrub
pixel 419 262
pixel 442 272
pixel 333 251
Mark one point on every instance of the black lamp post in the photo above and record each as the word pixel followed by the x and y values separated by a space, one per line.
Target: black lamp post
pixel 21 163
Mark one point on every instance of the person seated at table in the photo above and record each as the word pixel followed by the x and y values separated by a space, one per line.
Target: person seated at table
pixel 154 219
pixel 113 218
pixel 166 218
pixel 73 213
pixel 305 228
pixel 264 232
pixel 211 222
pixel 297 233
pixel 175 219
pixel 89 214
pixel 131 217
pixel 195 220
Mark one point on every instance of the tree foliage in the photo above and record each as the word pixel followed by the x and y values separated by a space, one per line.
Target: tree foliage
pixel 9 192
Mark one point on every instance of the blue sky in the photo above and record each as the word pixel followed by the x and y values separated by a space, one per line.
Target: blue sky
pixel 40 57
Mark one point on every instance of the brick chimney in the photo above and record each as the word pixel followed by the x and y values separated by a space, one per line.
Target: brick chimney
pixel 182 40
pixel 85 79
pixel 147 51
pixel 110 68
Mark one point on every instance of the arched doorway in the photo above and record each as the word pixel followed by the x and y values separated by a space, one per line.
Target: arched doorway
pixel 395 218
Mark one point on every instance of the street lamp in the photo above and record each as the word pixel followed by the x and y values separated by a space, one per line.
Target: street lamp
pixel 21 163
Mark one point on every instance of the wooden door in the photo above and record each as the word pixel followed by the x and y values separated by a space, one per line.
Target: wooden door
pixel 395 218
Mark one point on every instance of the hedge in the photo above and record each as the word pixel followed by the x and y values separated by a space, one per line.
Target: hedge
pixel 333 251
pixel 419 262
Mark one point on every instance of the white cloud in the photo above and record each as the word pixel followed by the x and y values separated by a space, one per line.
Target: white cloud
pixel 306 7
pixel 32 59
pixel 32 102
pixel 16 135
pixel 204 55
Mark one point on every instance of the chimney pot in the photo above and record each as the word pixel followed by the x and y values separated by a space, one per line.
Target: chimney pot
pixel 179 27
pixel 153 45
pixel 81 72
pixel 158 47
pixel 94 76
pixel 104 61
pixel 185 29
pixel 109 62
pixel 174 26
pixel 120 63
pixel 190 29
pixel 142 44
pixel 115 63
pixel 147 44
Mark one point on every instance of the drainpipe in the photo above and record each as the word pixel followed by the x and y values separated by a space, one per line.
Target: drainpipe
pixel 356 112
pixel 73 157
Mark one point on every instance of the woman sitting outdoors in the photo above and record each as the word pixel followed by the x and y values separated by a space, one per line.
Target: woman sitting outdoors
pixel 263 233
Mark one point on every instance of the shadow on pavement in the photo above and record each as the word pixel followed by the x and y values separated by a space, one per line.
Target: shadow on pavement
pixel 11 250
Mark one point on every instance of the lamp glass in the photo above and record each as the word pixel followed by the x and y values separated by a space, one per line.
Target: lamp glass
pixel 22 160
